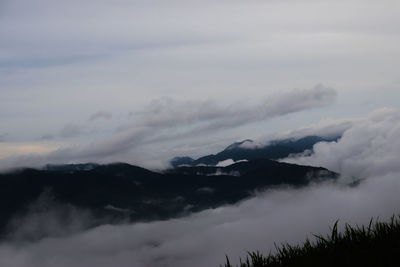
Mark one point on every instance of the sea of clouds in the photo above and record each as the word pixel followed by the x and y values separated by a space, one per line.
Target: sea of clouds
pixel 369 151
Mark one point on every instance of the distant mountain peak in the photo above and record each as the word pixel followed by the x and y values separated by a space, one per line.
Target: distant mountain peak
pixel 241 144
pixel 180 161
pixel 249 150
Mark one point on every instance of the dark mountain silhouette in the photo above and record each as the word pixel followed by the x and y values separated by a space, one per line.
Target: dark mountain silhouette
pixel 248 150
pixel 179 161
pixel 71 167
pixel 120 191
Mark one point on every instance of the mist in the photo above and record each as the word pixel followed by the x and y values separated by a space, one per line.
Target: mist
pixel 167 121
pixel 144 81
pixel 203 239
pixel 368 152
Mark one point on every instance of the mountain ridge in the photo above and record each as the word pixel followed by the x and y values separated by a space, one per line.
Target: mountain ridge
pixel 122 192
pixel 275 149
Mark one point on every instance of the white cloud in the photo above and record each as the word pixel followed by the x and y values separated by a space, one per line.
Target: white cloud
pixel 203 239
pixel 369 149
pixel 97 55
pixel 168 121
pixel 228 162
pixel 225 163
pixel 168 112
pixel 247 144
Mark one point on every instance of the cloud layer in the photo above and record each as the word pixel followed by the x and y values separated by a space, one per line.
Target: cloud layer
pixel 167 120
pixel 368 150
pixel 62 61
pixel 369 147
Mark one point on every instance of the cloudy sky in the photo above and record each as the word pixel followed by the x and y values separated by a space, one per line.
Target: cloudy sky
pixel 142 81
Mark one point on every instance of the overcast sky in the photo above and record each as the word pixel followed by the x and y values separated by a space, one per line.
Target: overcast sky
pixel 143 80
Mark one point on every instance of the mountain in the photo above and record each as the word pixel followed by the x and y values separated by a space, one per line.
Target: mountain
pixel 120 192
pixel 71 167
pixel 179 161
pixel 248 150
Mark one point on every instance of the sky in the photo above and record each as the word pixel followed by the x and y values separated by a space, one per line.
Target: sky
pixel 144 81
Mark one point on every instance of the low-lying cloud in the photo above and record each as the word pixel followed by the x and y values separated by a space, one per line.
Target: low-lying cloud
pixel 168 120
pixel 167 112
pixel 370 147
pixel 368 150
pixel 48 217
pixel 204 238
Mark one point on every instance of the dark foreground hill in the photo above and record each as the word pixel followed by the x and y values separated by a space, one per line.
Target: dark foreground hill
pixel 122 192
pixel 377 245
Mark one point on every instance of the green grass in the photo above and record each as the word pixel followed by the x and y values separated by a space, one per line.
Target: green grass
pixel 377 244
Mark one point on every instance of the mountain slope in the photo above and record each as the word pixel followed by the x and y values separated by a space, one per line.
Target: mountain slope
pixel 119 192
pixel 248 150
